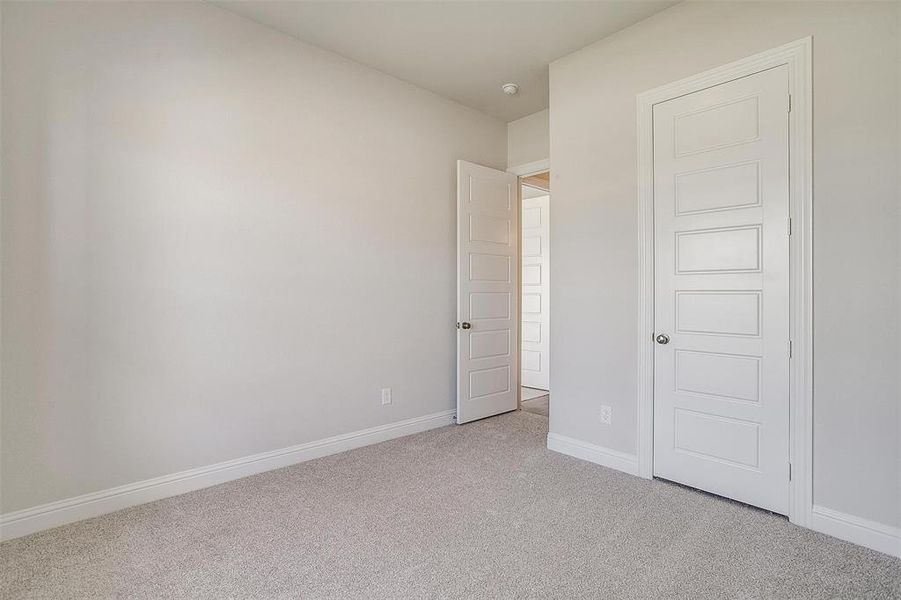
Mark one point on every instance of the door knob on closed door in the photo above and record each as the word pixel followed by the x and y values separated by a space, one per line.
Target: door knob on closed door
pixel 662 339
pixel 466 325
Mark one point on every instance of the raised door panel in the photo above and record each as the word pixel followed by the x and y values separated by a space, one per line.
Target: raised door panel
pixel 718 312
pixel 719 188
pixel 722 250
pixel 489 344
pixel 721 125
pixel 490 267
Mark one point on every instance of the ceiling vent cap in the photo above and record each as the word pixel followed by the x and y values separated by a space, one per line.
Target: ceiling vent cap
pixel 511 89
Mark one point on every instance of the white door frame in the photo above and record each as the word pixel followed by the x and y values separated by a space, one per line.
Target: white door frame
pixel 532 168
pixel 797 55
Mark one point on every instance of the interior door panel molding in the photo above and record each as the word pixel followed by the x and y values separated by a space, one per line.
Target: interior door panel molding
pixel 736 173
pixel 742 138
pixel 752 257
pixel 715 389
pixel 693 324
pixel 797 56
pixel 740 427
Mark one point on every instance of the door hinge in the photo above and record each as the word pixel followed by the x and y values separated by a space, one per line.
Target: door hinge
pixel 790 348
pixel 789 103
pixel 789 226
pixel 789 471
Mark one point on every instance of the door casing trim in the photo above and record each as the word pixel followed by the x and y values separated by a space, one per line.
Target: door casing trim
pixel 532 168
pixel 798 57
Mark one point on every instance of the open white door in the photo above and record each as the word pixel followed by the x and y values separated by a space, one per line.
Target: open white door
pixel 536 294
pixel 487 292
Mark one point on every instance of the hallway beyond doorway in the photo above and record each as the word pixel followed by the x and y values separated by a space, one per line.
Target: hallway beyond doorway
pixel 536 401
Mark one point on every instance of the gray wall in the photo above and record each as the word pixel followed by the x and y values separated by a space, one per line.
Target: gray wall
pixel 856 226
pixel 527 139
pixel 206 226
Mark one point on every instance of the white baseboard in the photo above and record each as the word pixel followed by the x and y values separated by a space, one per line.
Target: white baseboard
pixel 30 520
pixel 862 532
pixel 627 463
pixel 870 534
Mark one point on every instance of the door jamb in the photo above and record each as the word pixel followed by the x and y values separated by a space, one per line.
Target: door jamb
pixel 521 172
pixel 532 168
pixel 797 56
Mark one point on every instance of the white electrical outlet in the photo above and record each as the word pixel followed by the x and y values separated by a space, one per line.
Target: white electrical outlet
pixel 606 415
pixel 386 395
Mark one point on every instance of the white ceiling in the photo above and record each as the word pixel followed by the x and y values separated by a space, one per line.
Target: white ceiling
pixel 461 50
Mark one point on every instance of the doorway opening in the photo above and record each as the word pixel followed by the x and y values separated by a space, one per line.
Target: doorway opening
pixel 503 294
pixel 535 293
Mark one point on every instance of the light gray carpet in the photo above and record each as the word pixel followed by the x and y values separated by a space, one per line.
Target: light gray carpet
pixel 475 511
pixel 539 406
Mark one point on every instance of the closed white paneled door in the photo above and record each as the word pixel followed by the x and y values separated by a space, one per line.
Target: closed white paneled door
pixel 487 292
pixel 536 292
pixel 721 202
